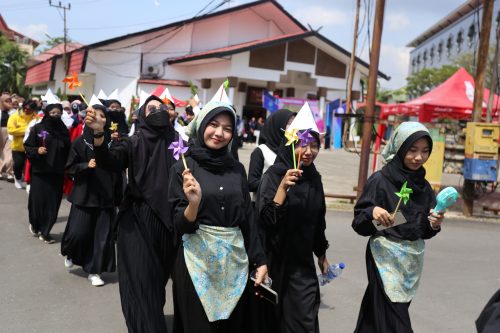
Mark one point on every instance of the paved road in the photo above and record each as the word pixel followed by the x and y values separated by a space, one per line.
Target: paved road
pixel 37 294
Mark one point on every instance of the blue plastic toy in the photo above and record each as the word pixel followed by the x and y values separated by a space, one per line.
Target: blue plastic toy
pixel 445 199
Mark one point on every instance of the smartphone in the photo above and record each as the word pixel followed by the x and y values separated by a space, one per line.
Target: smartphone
pixel 266 292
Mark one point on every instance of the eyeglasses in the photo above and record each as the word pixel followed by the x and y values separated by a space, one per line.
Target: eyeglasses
pixel 314 147
pixel 154 109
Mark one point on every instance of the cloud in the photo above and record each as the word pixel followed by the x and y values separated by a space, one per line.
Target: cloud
pixel 397 21
pixel 321 16
pixel 394 62
pixel 35 31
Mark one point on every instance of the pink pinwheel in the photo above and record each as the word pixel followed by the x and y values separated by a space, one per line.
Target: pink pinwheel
pixel 43 135
pixel 178 150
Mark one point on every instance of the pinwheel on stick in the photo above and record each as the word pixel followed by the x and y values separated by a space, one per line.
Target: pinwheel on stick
pixel 73 82
pixel 178 150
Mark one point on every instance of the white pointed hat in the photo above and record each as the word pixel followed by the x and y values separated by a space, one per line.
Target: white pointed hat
pixel 221 96
pixel 166 94
pixel 101 95
pixel 50 98
pixel 113 95
pixel 94 100
pixel 143 96
pixel 304 120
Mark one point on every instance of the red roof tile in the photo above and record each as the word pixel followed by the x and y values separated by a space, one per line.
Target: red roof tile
pixel 76 62
pixel 57 50
pixel 39 73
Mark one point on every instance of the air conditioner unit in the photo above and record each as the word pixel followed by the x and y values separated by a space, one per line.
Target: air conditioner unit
pixel 151 71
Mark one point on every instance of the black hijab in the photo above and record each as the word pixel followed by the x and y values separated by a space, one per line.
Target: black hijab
pixel 273 128
pixel 55 126
pixel 152 161
pixel 88 133
pixel 210 159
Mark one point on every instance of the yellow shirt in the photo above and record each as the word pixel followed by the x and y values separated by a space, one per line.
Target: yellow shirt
pixel 16 126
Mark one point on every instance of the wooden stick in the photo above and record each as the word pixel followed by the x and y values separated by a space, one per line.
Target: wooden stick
pixel 84 99
pixel 300 155
pixel 184 161
pixel 397 207
pixel 293 153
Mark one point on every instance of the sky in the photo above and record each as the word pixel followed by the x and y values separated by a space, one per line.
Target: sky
pixel 91 21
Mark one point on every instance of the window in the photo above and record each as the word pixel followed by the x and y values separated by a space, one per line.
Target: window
pixel 418 60
pixel 431 56
pixel 440 51
pixel 449 45
pixel 424 58
pixel 471 35
pixel 460 40
pixel 413 65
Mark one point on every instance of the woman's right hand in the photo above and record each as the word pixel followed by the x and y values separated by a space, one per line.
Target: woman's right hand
pixel 382 216
pixel 290 178
pixel 42 150
pixel 192 189
pixel 91 121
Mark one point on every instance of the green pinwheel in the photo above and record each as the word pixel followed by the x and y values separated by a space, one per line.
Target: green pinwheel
pixel 404 195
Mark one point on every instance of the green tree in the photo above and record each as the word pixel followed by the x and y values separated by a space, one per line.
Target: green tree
pixel 469 62
pixel 12 67
pixel 54 41
pixel 421 82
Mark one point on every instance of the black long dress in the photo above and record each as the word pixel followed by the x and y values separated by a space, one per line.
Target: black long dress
pixel 145 240
pixel 88 239
pixel 225 203
pixel 378 313
pixel 47 172
pixel 291 233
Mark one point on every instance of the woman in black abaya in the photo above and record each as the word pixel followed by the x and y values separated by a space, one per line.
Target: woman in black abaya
pixel 47 148
pixel 145 239
pixel 265 154
pixel 291 208
pixel 213 215
pixel 394 256
pixel 88 239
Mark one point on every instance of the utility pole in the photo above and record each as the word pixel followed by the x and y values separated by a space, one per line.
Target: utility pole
pixel 477 106
pixel 65 59
pixel 352 65
pixel 494 80
pixel 369 116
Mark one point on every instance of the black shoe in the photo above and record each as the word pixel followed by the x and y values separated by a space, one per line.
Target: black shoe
pixel 46 239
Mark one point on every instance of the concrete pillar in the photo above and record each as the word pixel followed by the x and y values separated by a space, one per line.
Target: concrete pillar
pixel 205 85
pixel 322 91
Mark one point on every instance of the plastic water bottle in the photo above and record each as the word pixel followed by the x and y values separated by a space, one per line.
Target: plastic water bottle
pixel 333 272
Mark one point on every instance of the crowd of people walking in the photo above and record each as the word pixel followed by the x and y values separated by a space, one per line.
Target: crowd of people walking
pixel 195 217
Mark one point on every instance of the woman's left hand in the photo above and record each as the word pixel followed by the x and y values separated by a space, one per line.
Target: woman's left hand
pixel 435 219
pixel 323 264
pixel 261 275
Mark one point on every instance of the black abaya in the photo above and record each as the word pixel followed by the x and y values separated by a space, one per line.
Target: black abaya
pixel 144 259
pixel 300 220
pixel 378 313
pixel 44 201
pixel 47 172
pixel 145 239
pixel 88 239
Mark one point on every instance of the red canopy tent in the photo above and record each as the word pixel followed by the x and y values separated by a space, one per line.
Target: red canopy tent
pixel 159 90
pixel 452 99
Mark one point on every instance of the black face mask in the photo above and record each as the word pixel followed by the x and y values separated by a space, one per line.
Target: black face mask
pixel 158 119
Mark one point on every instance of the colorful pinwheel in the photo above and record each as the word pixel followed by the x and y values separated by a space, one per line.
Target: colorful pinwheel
pixel 292 137
pixel 178 150
pixel 305 138
pixel 404 195
pixel 43 135
pixel 72 82
pixel 114 127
